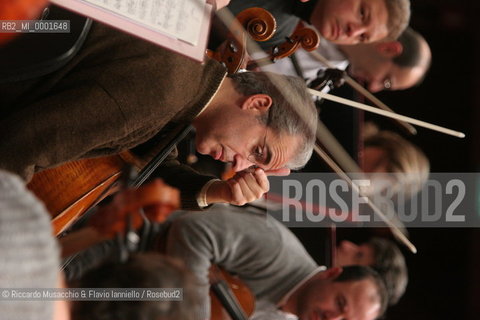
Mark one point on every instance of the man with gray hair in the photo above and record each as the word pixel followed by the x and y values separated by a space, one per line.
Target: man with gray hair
pixel 119 92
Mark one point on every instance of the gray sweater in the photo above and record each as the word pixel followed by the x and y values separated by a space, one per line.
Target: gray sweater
pixel 29 254
pixel 256 247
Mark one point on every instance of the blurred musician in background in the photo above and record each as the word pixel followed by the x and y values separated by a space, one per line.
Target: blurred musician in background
pixel 393 65
pixel 387 65
pixel 141 270
pixel 396 162
pixel 264 253
pixel 384 256
pixel 340 21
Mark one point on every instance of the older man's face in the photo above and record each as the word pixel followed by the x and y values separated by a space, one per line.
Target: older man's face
pixel 243 141
pixel 384 74
pixel 351 21
pixel 351 300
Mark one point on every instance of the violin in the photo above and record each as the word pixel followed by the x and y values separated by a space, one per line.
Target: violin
pixel 230 298
pixel 152 202
pixel 302 37
pixel 260 25
pixel 257 23
pixel 156 199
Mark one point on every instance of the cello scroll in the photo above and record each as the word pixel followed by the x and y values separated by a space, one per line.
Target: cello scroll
pixel 260 26
pixel 303 37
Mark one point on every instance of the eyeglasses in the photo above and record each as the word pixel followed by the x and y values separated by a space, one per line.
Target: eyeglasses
pixel 260 156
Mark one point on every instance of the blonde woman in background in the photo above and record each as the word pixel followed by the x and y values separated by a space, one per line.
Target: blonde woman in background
pixel 405 165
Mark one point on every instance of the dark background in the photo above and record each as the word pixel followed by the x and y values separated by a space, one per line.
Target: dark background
pixel 444 280
pixel 444 275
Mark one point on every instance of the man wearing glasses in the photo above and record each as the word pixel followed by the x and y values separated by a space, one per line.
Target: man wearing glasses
pixel 387 65
pixel 119 92
pixel 259 128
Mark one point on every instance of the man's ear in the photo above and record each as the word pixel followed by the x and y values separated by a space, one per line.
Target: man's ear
pixel 331 273
pixel 390 49
pixel 260 102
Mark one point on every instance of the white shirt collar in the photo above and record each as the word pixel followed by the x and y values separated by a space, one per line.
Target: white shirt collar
pixel 289 293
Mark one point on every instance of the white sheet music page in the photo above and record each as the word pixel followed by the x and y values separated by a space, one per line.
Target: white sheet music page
pixel 181 19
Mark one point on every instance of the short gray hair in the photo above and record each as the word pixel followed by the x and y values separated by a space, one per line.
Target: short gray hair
pixel 398 17
pixel 292 111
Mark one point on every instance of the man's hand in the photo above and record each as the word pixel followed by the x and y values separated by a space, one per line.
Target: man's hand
pixel 246 186
pixel 156 198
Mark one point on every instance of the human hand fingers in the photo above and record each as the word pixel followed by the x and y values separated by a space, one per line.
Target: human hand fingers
pixel 278 172
pixel 248 186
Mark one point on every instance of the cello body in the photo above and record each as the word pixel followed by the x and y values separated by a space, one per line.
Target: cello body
pixel 72 188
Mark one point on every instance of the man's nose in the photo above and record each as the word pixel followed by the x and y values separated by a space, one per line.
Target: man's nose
pixel 240 163
pixel 354 30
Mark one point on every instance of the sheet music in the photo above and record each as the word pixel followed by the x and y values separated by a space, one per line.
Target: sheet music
pixel 181 19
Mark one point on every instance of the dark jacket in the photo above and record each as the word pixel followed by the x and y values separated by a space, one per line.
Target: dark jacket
pixel 116 93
